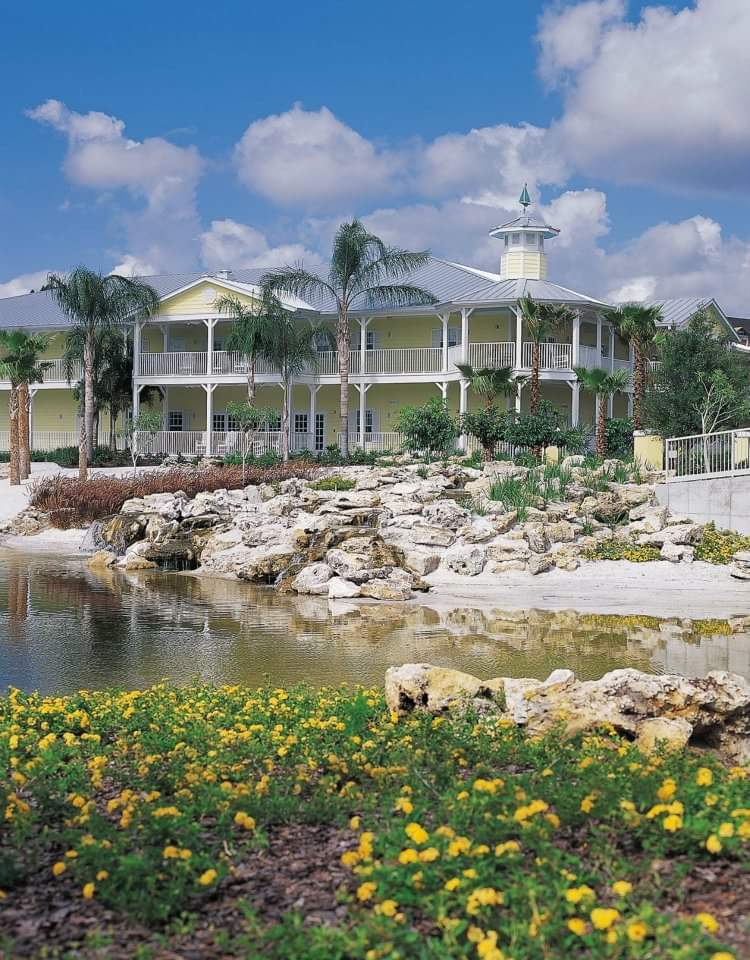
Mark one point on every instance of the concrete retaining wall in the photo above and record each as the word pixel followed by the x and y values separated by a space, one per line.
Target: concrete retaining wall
pixel 723 500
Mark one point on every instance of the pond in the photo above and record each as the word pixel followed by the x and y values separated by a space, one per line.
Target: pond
pixel 64 626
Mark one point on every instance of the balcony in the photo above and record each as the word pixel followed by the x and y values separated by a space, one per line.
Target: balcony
pixel 55 374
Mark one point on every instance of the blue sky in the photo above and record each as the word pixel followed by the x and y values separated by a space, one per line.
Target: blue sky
pixel 173 140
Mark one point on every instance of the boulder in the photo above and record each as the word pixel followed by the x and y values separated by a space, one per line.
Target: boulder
pixel 340 589
pixel 536 537
pixel 509 549
pixel 681 533
pixel 313 579
pixel 505 566
pixel 382 589
pixel 430 536
pixel 677 552
pixel 102 558
pixel 560 532
pixel 435 689
pixel 421 562
pixel 468 561
pixel 674 733
pixel 120 531
pixel 539 564
pixel 605 507
pixel 446 513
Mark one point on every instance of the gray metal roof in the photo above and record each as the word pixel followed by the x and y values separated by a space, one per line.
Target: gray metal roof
pixel 508 291
pixel 678 311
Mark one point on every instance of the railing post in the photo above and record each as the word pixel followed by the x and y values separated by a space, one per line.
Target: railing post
pixel 576 340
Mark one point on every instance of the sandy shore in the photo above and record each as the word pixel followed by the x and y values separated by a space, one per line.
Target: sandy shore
pixel 655 588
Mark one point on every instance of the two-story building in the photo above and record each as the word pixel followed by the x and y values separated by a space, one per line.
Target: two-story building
pixel 398 356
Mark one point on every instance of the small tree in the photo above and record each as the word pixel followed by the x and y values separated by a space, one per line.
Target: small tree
pixel 536 430
pixel 603 385
pixel 637 325
pixel 249 420
pixel 489 382
pixel 542 320
pixel 21 365
pixel 249 329
pixel 145 424
pixel 430 430
pixel 489 425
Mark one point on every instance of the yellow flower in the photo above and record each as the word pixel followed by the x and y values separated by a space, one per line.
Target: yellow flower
pixel 244 820
pixel 577 926
pixel 576 894
pixel 603 917
pixel 587 804
pixel 207 877
pixel 510 846
pixel 428 855
pixel 88 891
pixel 726 830
pixel 672 823
pixel 708 922
pixel 621 888
pixel 637 931
pixel 713 844
pixel 451 884
pixel 704 777
pixel 388 908
pixel 722 955
pixel 170 852
pixel 458 846
pixel 416 833
pixel 475 934
pixel 365 891
pixel 409 855
pixel 483 897
pixel 667 790
pixel 487 786
pixel 354 823
pixel 404 805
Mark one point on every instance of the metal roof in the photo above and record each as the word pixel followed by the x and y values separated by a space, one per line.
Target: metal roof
pixel 508 291
pixel 677 312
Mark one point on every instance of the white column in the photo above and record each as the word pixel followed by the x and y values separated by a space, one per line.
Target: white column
pixel 313 388
pixel 136 367
pixel 363 388
pixel 519 342
pixel 210 324
pixel 465 314
pixel 463 397
pixel 577 339
pixel 611 349
pixel 165 408
pixel 444 318
pixel 209 388
pixel 598 340
pixel 443 388
pixel 610 405
pixel 630 404
pixel 575 388
pixel 364 323
pixel 32 394
pixel 519 388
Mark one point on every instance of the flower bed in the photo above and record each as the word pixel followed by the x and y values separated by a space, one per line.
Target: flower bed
pixel 272 823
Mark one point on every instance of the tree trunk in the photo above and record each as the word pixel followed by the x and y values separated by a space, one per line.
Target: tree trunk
pixel 88 395
pixel 15 476
pixel 24 448
pixel 601 437
pixel 342 337
pixel 113 414
pixel 82 451
pixel 639 382
pixel 251 382
pixel 488 450
pixel 285 423
pixel 535 394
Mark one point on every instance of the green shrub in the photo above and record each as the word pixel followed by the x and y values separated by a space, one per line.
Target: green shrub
pixel 618 433
pixel 333 483
pixel 619 550
pixel 429 430
pixel 719 546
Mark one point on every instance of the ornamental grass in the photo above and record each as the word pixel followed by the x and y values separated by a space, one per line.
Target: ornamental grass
pixel 236 822
pixel 71 502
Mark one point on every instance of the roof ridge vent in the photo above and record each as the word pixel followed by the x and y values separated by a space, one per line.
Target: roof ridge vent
pixel 223 274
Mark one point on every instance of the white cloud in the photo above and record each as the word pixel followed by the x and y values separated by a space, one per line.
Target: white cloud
pixel 163 231
pixel 311 159
pixel 24 283
pixel 133 267
pixel 231 245
pixel 569 37
pixel 662 101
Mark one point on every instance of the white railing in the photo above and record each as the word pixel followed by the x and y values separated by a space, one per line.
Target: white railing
pixel 652 366
pixel 55 439
pixel 701 455
pixel 55 373
pixel 404 360
pixel 226 363
pixel 182 364
pixel 374 441
pixel 229 442
pixel 589 357
pixel 328 363
pixel 552 356
pixel 492 354
pixel 189 443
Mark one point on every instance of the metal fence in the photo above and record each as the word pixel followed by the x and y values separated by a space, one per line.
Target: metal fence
pixel 722 453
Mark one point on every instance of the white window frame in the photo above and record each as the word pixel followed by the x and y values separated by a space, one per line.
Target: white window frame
pixel 174 428
pixel 371 421
pixel 219 422
pixel 297 419
pixel 319 436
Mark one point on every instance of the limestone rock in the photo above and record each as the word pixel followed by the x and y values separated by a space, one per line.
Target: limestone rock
pixel 509 549
pixel 681 533
pixel 675 733
pixel 505 566
pixel 313 579
pixel 381 589
pixel 435 689
pixel 446 513
pixel 561 532
pixel 469 561
pixel 539 564
pixel 102 558
pixel 536 537
pixel 676 552
pixel 340 589
pixel 421 562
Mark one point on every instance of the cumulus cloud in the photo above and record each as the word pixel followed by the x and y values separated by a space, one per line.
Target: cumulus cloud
pixel 161 176
pixel 133 267
pixel 231 245
pixel 659 101
pixel 570 37
pixel 310 158
pixel 24 283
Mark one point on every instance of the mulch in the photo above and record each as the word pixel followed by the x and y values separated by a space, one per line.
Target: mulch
pixel 299 871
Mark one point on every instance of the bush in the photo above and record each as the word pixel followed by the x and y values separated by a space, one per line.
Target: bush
pixel 542 429
pixel 71 502
pixel 333 483
pixel 429 430
pixel 719 546
pixel 490 427
pixel 618 434
pixel 419 836
pixel 618 550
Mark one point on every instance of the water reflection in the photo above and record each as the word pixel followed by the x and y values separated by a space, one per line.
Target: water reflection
pixel 63 626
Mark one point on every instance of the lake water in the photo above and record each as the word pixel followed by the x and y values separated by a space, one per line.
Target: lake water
pixel 63 626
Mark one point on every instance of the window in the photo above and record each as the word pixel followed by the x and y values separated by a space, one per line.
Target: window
pixel 371 341
pixel 218 344
pixel 320 431
pixel 219 423
pixel 323 342
pixel 175 421
pixel 531 239
pixel 300 423
pixel 515 239
pixel 454 336
pixel 506 239
pixel 370 420
pixel 274 423
pixel 233 423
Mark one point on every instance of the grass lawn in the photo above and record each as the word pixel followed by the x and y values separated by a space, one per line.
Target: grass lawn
pixel 209 822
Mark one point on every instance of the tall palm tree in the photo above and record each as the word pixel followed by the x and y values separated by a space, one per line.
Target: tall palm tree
pixel 638 326
pixel 21 365
pixel 489 382
pixel 96 302
pixel 249 327
pixel 291 347
pixel 603 384
pixel 365 272
pixel 542 320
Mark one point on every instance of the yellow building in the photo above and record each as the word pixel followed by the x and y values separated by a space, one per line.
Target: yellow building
pixel 398 356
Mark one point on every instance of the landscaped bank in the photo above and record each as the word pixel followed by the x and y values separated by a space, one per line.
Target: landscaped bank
pixel 233 822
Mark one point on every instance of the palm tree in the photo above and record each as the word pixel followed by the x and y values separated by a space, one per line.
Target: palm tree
pixel 603 384
pixel 489 382
pixel 248 330
pixel 96 302
pixel 22 366
pixel 290 346
pixel 364 272
pixel 638 326
pixel 542 320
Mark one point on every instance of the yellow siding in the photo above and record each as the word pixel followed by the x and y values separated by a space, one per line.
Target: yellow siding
pixel 403 331
pixel 523 263
pixel 492 327
pixel 200 299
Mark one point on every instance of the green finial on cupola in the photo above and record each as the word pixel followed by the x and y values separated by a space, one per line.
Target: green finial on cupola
pixel 525 199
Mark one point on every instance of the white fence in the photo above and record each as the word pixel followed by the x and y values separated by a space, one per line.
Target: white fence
pixel 492 354
pixel 723 453
pixel 552 356
pixel 55 373
pixel 378 442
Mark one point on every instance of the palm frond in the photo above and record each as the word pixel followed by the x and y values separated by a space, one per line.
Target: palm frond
pixel 396 295
pixel 295 281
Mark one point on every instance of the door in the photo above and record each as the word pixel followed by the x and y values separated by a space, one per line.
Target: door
pixel 320 431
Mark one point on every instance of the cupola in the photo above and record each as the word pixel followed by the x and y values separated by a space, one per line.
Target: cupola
pixel 523 256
